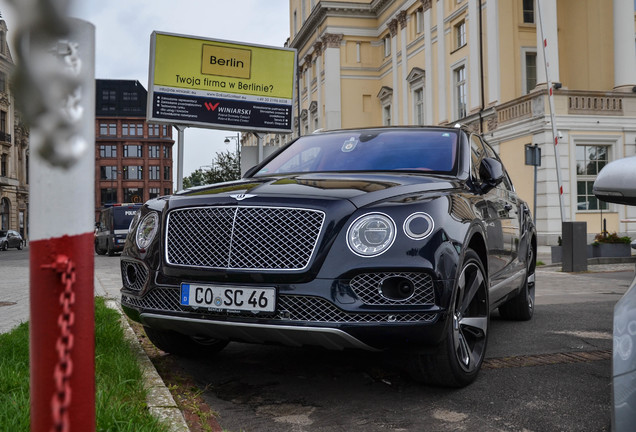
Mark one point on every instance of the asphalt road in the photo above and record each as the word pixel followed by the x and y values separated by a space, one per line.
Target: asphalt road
pixel 549 374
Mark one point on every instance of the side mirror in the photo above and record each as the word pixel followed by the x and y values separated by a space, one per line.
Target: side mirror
pixel 616 183
pixel 491 172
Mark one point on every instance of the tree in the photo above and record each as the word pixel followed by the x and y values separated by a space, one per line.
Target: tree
pixel 225 168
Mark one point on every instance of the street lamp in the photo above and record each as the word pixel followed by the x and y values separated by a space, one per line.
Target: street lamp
pixel 238 149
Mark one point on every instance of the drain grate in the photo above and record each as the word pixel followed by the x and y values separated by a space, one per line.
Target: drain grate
pixel 547 359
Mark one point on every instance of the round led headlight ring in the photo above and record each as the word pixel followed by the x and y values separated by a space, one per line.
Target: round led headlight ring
pixel 371 234
pixel 418 226
pixel 146 230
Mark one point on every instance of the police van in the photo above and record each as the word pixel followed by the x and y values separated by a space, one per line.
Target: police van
pixel 112 227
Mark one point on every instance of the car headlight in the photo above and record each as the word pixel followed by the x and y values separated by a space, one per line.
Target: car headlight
pixel 371 234
pixel 418 226
pixel 146 230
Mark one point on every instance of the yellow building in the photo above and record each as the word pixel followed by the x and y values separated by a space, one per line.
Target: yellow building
pixel 481 63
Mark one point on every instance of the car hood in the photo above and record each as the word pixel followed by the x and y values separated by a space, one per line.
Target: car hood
pixel 359 189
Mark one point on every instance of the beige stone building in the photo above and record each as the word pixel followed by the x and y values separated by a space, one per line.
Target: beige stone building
pixel 481 63
pixel 14 150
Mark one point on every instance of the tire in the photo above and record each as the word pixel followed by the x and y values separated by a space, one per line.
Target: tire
pixel 521 306
pixel 99 251
pixel 5 246
pixel 182 345
pixel 19 246
pixel 457 360
pixel 110 250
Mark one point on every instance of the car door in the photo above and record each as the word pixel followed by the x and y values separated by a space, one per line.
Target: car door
pixel 501 216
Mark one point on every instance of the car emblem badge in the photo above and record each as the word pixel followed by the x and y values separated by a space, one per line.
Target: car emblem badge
pixel 241 197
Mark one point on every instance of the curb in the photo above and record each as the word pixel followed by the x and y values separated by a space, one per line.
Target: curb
pixel 160 402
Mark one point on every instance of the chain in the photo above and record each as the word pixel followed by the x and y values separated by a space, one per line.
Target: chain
pixel 61 399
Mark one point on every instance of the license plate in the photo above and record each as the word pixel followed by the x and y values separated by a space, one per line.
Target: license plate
pixel 233 298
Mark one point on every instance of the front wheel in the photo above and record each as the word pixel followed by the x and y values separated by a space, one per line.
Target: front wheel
pixel 5 246
pixel 457 360
pixel 183 345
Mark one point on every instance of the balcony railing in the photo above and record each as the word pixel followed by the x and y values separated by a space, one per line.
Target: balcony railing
pixel 5 137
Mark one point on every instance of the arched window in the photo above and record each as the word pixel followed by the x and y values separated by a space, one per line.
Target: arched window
pixel 5 208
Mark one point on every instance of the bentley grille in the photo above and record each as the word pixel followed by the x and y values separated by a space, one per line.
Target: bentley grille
pixel 243 238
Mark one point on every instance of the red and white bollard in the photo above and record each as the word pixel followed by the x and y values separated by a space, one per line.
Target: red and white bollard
pixel 62 165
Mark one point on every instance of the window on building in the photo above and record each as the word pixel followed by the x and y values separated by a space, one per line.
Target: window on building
pixel 164 130
pixel 419 21
pixel 153 173
pixel 166 173
pixel 153 193
pixel 107 129
pixel 386 115
pixel 166 191
pixel 133 151
pixel 153 130
pixel 166 152
pixel 459 76
pixel 387 45
pixel 528 11
pixel 133 172
pixel 130 96
pixel 153 151
pixel 3 165
pixel 295 19
pixel 303 10
pixel 134 195
pixel 108 196
pixel 132 129
pixel 530 69
pixel 3 82
pixel 109 96
pixel 3 122
pixel 460 34
pixel 108 151
pixel 108 172
pixel 589 161
pixel 418 108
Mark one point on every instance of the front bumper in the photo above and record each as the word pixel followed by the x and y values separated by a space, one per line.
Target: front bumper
pixel 326 313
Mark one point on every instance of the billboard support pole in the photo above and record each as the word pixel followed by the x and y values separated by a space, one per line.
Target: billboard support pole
pixel 181 132
pixel 259 137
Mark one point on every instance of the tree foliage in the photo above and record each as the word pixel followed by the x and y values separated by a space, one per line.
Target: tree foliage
pixel 225 168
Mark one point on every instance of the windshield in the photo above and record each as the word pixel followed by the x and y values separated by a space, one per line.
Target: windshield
pixel 383 150
pixel 122 216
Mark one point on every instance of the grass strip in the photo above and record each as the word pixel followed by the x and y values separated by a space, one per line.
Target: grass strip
pixel 120 393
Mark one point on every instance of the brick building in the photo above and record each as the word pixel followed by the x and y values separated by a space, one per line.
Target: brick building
pixel 133 158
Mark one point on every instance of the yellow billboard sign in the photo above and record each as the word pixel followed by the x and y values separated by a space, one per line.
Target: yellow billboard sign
pixel 220 84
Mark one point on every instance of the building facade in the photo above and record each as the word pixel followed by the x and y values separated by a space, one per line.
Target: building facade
pixel 133 158
pixel 14 150
pixel 481 63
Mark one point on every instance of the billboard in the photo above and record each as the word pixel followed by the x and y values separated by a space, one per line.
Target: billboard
pixel 219 84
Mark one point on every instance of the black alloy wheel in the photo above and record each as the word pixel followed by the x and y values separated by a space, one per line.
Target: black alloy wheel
pixel 458 359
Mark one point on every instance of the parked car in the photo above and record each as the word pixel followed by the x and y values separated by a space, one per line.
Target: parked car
pixel 399 239
pixel 112 227
pixel 616 183
pixel 10 239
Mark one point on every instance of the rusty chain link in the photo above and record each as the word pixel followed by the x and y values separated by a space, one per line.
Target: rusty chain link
pixel 61 399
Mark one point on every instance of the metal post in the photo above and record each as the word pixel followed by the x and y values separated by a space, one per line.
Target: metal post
pixel 552 117
pixel 55 87
pixel 181 133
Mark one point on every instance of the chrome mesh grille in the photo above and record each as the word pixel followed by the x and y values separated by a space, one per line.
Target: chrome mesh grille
pixel 250 238
pixel 134 275
pixel 367 287
pixel 290 308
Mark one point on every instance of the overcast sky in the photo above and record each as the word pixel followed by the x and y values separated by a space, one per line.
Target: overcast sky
pixel 123 29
